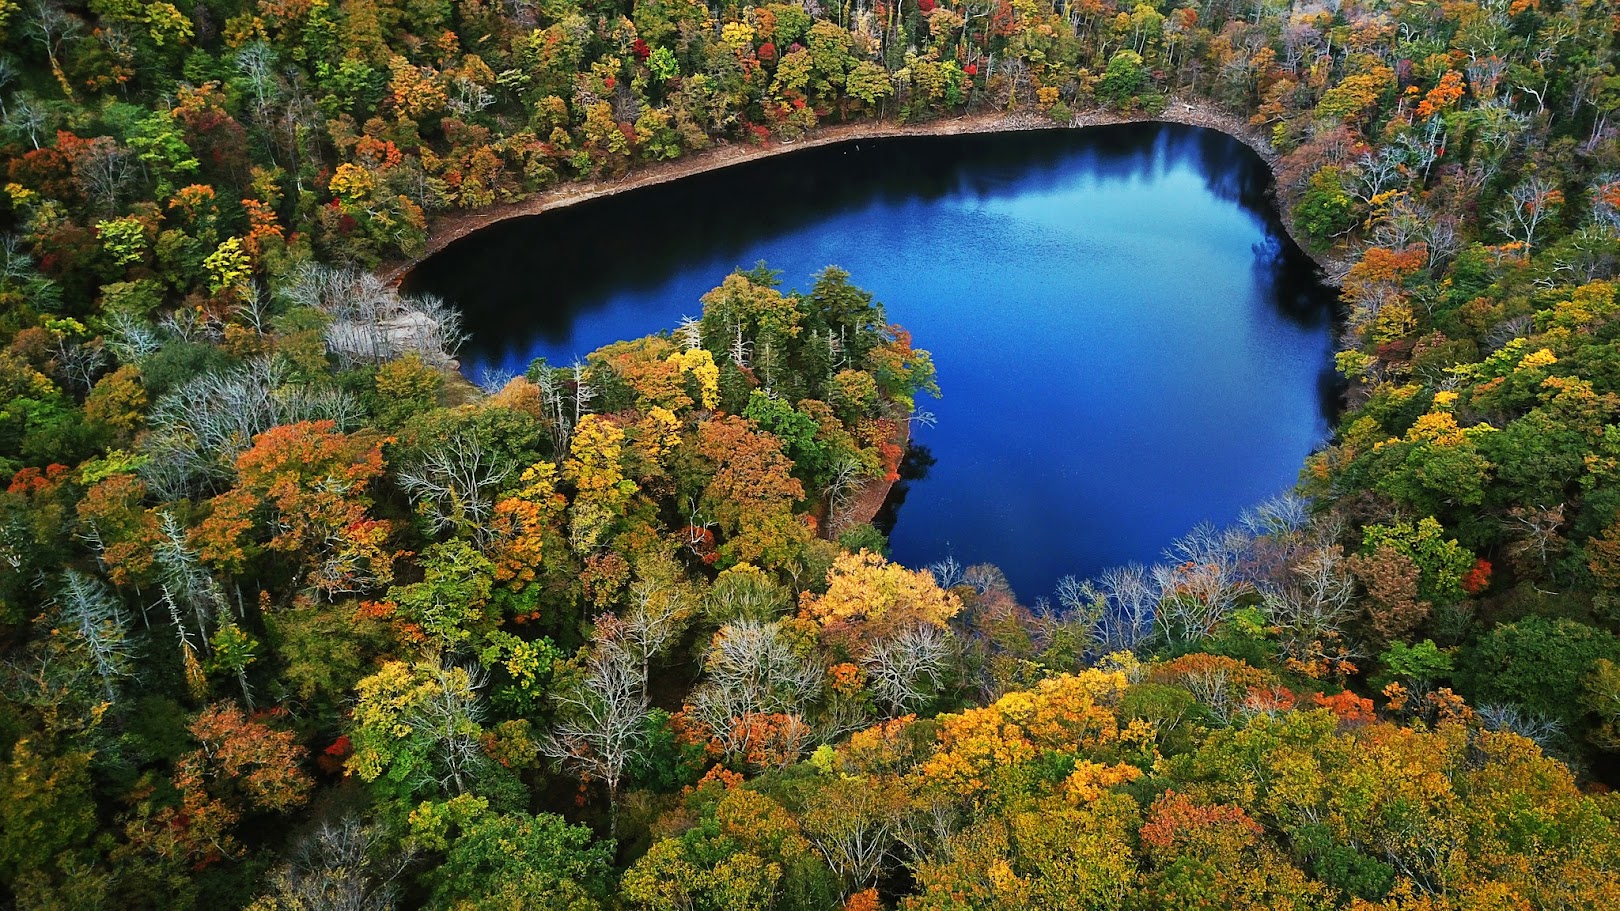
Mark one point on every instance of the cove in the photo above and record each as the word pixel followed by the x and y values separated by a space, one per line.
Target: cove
pixel 1128 341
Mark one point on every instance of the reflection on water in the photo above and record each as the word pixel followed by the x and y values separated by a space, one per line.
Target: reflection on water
pixel 1128 342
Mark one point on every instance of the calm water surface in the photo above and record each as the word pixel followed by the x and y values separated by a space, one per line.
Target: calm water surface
pixel 1127 341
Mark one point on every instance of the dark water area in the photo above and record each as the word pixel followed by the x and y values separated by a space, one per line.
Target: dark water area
pixel 1127 340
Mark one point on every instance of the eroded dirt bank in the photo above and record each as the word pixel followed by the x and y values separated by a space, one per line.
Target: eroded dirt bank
pixel 447 228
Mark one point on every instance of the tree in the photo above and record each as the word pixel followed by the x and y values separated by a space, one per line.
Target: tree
pixel 245 761
pixel 47 811
pixel 907 670
pixel 448 607
pixel 520 861
pixel 417 729
pixel 1528 206
pixel 343 866
pixel 117 403
pixel 868 595
pixel 1601 697
pixel 302 491
pixel 1123 80
pixel 1537 663
pixel 753 671
pixel 89 611
pixel 734 848
pixel 601 710
pixel 241 766
pixel 603 492
pixel 1390 579
pixel 750 491
pixel 1051 856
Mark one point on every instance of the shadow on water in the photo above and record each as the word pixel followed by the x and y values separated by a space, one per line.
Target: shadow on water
pixel 1128 341
pixel 914 467
pixel 525 281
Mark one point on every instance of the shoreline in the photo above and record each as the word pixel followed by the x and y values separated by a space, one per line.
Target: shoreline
pixel 448 228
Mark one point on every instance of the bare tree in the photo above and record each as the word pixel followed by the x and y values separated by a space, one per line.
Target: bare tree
pixel 852 825
pixel 78 364
pixel 1201 584
pixel 257 64
pixel 200 428
pixel 584 392
pixel 449 719
pixel 254 307
pixel 26 116
pixel 690 333
pixel 1283 514
pixel 294 130
pixel 752 669
pixel 1535 534
pixel 1439 234
pixel 454 482
pixel 1588 255
pixel 186 587
pixel 130 338
pixel 933 817
pixel 554 408
pixel 88 610
pixel 1606 202
pixel 1421 147
pixel 848 478
pixel 1129 603
pixel 470 97
pixel 103 170
pixel 985 578
pixel 1516 719
pixel 371 322
pixel 493 379
pixel 49 25
pixel 947 573
pixel 659 614
pixel 8 75
pixel 1313 610
pixel 1215 689
pixel 194 326
pixel 1377 171
pixel 343 866
pixel 1527 208
pixel 1116 609
pixel 906 670
pixel 602 715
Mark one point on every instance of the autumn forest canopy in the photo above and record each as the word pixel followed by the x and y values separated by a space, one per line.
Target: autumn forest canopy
pixel 293 617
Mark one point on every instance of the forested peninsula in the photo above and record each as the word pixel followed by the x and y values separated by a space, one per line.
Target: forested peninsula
pixel 292 617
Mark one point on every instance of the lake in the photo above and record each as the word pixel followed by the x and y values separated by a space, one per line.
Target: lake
pixel 1128 342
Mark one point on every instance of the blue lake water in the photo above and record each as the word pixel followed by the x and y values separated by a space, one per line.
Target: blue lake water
pixel 1127 341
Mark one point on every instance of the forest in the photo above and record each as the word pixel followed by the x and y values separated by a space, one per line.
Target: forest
pixel 293 617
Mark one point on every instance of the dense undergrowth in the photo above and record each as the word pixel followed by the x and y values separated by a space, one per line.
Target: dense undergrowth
pixel 293 618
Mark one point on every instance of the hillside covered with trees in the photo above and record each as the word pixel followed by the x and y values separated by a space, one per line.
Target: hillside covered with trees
pixel 292 617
